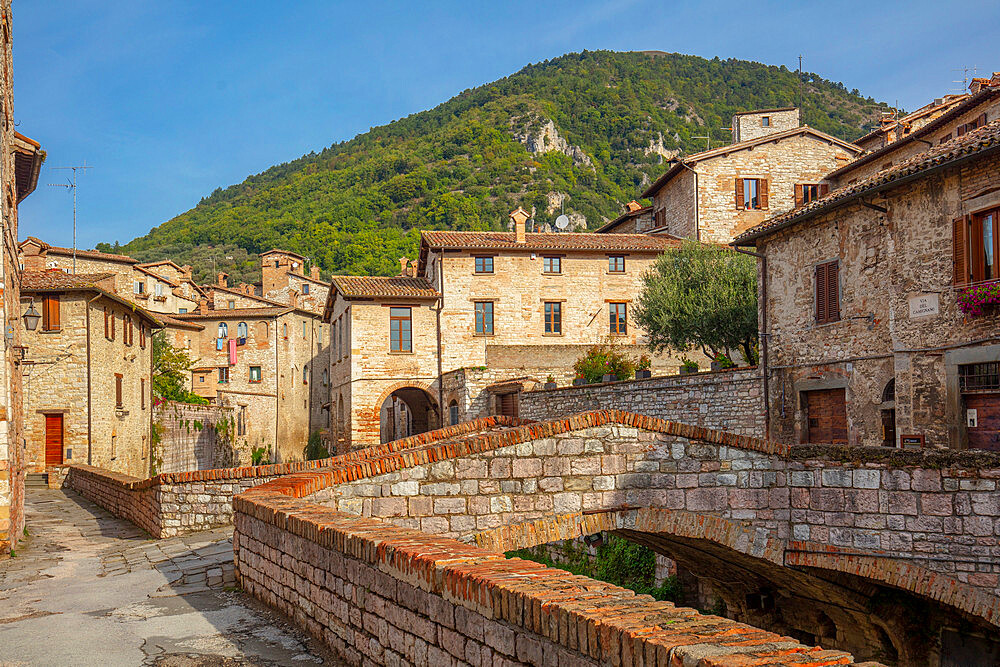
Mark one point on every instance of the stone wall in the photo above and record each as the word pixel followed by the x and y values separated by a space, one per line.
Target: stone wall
pixel 728 400
pixel 193 437
pixel 378 594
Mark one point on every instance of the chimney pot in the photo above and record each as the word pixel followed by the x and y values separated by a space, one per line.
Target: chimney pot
pixel 314 272
pixel 519 216
pixel 221 279
pixel 203 306
pixel 403 262
pixel 633 206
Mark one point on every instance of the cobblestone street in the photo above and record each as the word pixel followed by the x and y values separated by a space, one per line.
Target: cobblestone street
pixel 86 588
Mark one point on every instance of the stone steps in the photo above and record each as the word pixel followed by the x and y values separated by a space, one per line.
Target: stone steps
pixel 36 480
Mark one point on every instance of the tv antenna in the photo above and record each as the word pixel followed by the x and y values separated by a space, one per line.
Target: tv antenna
pixel 72 186
pixel 965 76
pixel 708 141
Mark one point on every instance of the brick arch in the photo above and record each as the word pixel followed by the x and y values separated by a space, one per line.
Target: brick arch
pixel 403 384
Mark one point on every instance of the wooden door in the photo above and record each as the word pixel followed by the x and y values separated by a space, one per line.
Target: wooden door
pixel 986 433
pixel 889 428
pixel 826 416
pixel 53 440
pixel 508 405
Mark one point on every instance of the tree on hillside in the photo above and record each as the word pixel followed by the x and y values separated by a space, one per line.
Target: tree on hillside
pixel 701 296
pixel 170 369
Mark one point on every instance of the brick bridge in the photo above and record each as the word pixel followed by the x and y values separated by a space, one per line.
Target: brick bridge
pixel 888 554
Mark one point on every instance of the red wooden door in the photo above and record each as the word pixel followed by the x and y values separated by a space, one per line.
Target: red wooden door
pixel 53 440
pixel 826 416
pixel 986 434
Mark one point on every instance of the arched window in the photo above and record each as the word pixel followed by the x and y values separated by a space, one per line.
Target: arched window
pixel 453 412
pixel 889 393
pixel 223 330
pixel 241 331
pixel 284 330
pixel 326 377
pixel 305 373
pixel 261 333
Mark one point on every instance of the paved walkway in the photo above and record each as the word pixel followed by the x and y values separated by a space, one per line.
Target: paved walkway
pixel 87 588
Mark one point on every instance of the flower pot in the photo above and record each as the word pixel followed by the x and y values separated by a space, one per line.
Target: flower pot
pixel 550 385
pixel 716 365
pixel 609 378
pixel 688 370
pixel 643 374
pixel 579 381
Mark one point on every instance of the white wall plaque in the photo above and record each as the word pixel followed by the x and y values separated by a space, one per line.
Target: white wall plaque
pixel 923 305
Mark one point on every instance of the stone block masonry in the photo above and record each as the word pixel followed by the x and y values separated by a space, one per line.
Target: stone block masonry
pixel 730 400
pixel 379 594
pixel 194 437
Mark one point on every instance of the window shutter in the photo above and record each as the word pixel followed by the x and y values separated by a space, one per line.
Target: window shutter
pixel 762 192
pixel 960 250
pixel 833 291
pixel 960 130
pixel 981 120
pixel 798 195
pixel 821 297
pixel 740 202
pixel 106 323
pixel 824 189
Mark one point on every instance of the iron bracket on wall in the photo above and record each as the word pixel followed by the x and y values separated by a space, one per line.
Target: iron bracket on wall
pixel 874 207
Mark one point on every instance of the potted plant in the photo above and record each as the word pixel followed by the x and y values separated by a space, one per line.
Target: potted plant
pixel 609 377
pixel 550 382
pixel 722 362
pixel 979 299
pixel 688 366
pixel 579 380
pixel 642 367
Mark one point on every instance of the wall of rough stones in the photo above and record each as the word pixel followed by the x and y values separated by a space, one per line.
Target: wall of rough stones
pixel 190 437
pixel 378 594
pixel 724 400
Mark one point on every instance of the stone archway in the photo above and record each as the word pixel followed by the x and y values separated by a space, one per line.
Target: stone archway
pixel 406 411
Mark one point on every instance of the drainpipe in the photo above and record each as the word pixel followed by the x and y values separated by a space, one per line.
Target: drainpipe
pixel 763 334
pixel 90 392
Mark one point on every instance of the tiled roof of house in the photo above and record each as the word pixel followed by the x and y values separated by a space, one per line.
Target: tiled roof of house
pixel 141 269
pixel 55 279
pixel 985 95
pixel 236 292
pixel 233 313
pixel 559 242
pixel 171 321
pixel 89 254
pixel 739 146
pixel 281 252
pixel 622 218
pixel 367 287
pixel 981 140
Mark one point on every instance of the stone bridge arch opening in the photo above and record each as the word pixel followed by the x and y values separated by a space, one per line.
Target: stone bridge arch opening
pixel 407 411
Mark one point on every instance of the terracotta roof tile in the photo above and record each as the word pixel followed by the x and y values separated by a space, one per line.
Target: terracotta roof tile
pixel 360 287
pixel 55 279
pixel 90 254
pixel 232 313
pixel 980 140
pixel 170 321
pixel 603 229
pixel 558 242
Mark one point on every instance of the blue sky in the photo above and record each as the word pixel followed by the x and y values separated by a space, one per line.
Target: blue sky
pixel 169 100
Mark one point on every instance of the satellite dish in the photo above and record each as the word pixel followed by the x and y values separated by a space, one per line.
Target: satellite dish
pixel 562 222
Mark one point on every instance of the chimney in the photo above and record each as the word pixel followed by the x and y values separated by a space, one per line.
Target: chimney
pixel 186 271
pixel 633 206
pixel 203 306
pixel 314 272
pixel 519 216
pixel 403 261
pixel 220 279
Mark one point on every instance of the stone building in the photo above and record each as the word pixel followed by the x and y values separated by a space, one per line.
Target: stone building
pixel 480 316
pixel 283 279
pixel 773 166
pixel 636 219
pixel 892 129
pixel 187 292
pixel 867 344
pixel 86 373
pixel 20 161
pixel 269 365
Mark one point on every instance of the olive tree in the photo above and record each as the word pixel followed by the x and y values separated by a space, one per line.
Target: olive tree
pixel 701 296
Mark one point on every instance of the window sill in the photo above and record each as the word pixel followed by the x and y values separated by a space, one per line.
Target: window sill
pixel 618 335
pixel 614 273
pixel 550 273
pixel 482 335
pixel 401 352
pixel 483 273
pixel 553 335
pixel 53 331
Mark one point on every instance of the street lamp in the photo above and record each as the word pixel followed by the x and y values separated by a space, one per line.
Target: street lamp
pixel 31 317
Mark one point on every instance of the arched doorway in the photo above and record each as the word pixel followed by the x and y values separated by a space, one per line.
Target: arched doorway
pixel 407 411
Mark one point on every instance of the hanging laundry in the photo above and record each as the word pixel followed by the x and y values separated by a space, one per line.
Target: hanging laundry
pixel 219 342
pixel 232 351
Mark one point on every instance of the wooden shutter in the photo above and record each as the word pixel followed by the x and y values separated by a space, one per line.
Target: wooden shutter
pixel 740 201
pixel 960 130
pixel 981 120
pixel 798 195
pixel 762 192
pixel 960 250
pixel 118 390
pixel 142 393
pixel 50 313
pixel 833 291
pixel 821 295
pixel 824 189
pixel 106 323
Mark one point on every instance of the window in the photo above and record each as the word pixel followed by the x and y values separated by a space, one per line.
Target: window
pixel 765 121
pixel 224 375
pixel 305 289
pixel 553 317
pixel 751 194
pixel 261 334
pixel 50 313
pixel 979 377
pixel 326 377
pixel 139 287
pixel 484 318
pixel 453 413
pixel 142 393
pixel 484 265
pixel 660 218
pixel 945 138
pixel 400 333
pixel 241 333
pixel 284 330
pixel 113 324
pixel 809 192
pixel 201 378
pixel 305 374
pixel 616 264
pixel 303 328
pixel 976 247
pixel 118 390
pixel 552 264
pixel 971 125
pixel 181 311
pixel 232 304
pixel 128 330
pixel 255 374
pixel 107 328
pixel 142 336
pixel 618 316
pixel 241 421
pixel 828 292
pixel 158 290
pixel 223 330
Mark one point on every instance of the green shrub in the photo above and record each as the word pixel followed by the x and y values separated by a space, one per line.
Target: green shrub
pixel 604 359
pixel 315 448
pixel 257 455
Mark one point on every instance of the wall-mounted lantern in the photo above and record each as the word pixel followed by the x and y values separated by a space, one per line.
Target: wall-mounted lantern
pixel 32 317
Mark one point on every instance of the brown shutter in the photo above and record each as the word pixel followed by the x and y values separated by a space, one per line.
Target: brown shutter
pixel 821 295
pixel 762 192
pixel 960 250
pixel 118 390
pixel 740 202
pixel 142 393
pixel 824 189
pixel 113 327
pixel 50 313
pixel 798 195
pixel 833 291
pixel 981 120
pixel 106 322
pixel 960 130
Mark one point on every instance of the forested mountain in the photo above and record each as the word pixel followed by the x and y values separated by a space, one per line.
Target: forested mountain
pixel 583 131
